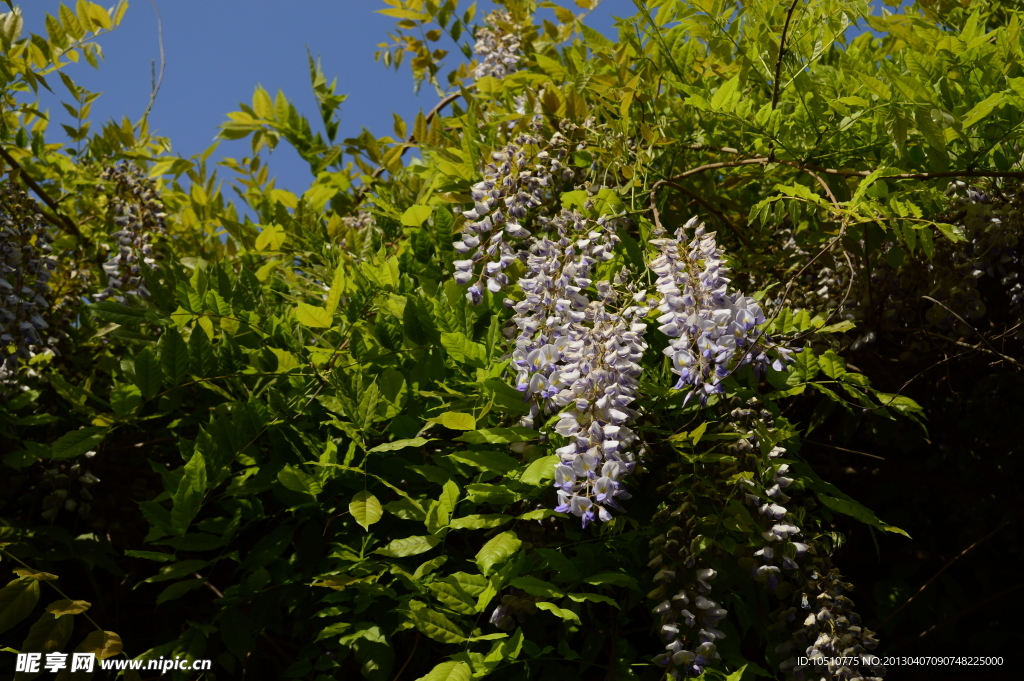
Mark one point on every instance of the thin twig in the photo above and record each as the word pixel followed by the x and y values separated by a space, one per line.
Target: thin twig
pixel 824 185
pixel 50 584
pixel 155 85
pixel 209 586
pixel 62 221
pixel 776 85
pixel 937 574
pixel 411 139
pixel 714 211
pixel 408 659
pixel 844 449
pixel 973 607
pixel 984 340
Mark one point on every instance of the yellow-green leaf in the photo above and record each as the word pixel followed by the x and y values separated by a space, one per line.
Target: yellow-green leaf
pixel 365 509
pixel 271 238
pixel 337 288
pixel 313 316
pixel 449 671
pixel 68 607
pixel 499 549
pixel 456 420
pixel 16 602
pixel 415 216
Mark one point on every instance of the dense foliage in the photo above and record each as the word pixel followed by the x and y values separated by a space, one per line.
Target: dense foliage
pixel 579 388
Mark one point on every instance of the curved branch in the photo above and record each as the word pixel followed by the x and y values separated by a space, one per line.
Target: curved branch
pixel 714 211
pixel 937 574
pixel 60 220
pixel 984 340
pixel 155 88
pixel 776 82
pixel 782 51
pixel 411 139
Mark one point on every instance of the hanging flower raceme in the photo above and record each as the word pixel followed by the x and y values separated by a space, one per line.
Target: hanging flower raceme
pixel 139 215
pixel 576 352
pixel 26 268
pixel 713 330
pixel 517 181
pixel 498 46
pixel 824 625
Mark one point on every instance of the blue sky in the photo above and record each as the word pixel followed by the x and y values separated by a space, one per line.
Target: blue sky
pixel 217 51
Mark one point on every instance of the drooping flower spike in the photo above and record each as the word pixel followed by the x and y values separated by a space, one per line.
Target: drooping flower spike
pixel 713 330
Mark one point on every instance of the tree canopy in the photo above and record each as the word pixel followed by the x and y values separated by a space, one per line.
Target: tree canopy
pixel 627 360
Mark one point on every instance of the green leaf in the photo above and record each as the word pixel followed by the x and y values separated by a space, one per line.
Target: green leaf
pixel 499 549
pixel 178 589
pixel 177 570
pixel 983 109
pixel 337 288
pixel 366 411
pixel 409 546
pixel 49 634
pixel 434 624
pixel 698 432
pixel 724 98
pixel 148 374
pixel 415 216
pixel 453 597
pixel 839 327
pixel 271 238
pixel 173 356
pixel 857 511
pixel 202 360
pixel 68 607
pixel 118 313
pixel 365 509
pixel 449 498
pixel 312 316
pixel 567 615
pixel 479 522
pixel 297 480
pixel 102 644
pixel 77 442
pixel 540 470
pixel 498 436
pixel 151 555
pixel 594 598
pixel 188 498
pixel 124 399
pixel 17 600
pixel 449 671
pixel 832 364
pixel 463 350
pixel 954 233
pixel 401 444
pixel 614 579
pixel 456 420
pixel 835 499
pixel 536 587
pixel 496 462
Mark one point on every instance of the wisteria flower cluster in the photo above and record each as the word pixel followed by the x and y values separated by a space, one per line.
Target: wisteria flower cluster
pixel 26 268
pixel 498 46
pixel 517 181
pixel 713 331
pixel 71 489
pixel 572 351
pixel 514 607
pixel 826 625
pixel 689 621
pixel 993 228
pixel 139 215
